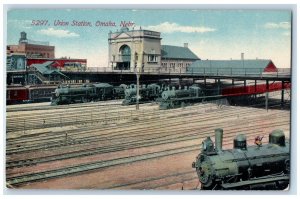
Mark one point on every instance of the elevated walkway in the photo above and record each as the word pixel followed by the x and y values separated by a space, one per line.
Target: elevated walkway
pixel 46 73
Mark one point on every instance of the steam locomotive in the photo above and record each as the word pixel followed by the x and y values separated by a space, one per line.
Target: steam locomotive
pixel 258 167
pixel 146 93
pixel 66 94
pixel 172 98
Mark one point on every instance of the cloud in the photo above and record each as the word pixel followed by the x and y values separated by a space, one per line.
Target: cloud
pixel 280 25
pixel 287 33
pixel 168 27
pixel 19 23
pixel 57 33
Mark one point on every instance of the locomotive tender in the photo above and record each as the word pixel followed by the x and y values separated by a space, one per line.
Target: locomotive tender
pixel 65 94
pixel 259 167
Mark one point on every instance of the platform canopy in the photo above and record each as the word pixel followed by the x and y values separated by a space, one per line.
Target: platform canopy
pixel 46 68
pixel 232 67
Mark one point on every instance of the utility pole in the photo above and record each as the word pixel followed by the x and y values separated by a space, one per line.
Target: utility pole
pixel 267 95
pixel 137 88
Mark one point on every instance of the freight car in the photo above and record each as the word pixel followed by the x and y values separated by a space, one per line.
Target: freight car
pixel 146 93
pixel 16 94
pixel 258 167
pixel 172 98
pixel 65 94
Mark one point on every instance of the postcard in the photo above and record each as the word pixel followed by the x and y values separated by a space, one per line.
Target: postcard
pixel 148 99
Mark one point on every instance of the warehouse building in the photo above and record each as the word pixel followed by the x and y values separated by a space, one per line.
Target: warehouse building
pixel 142 49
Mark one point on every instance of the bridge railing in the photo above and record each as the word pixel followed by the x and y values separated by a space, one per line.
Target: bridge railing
pixel 231 72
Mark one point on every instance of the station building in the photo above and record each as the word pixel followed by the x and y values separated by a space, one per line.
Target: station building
pixel 141 49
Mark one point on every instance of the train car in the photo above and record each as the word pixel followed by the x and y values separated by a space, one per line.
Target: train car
pixel 257 167
pixel 16 95
pixel 254 89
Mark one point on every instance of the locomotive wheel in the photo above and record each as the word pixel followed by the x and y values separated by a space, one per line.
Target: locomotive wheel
pixel 183 104
pixel 171 104
pixel 205 173
pixel 84 100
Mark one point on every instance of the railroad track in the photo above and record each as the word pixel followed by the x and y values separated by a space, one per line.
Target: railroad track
pixel 19 180
pixel 123 132
pixel 48 120
pixel 137 184
pixel 88 136
pixel 68 106
pixel 143 141
pixel 60 139
pixel 34 177
pixel 129 115
pixel 149 114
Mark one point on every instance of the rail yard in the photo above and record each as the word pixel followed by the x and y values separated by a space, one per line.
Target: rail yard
pixel 105 145
pixel 149 116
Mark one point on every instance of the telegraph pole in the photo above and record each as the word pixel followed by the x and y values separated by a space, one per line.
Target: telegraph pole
pixel 137 88
pixel 267 95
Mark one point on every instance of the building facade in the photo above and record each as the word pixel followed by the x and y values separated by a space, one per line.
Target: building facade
pixel 31 48
pixel 142 50
pixel 176 58
pixel 134 49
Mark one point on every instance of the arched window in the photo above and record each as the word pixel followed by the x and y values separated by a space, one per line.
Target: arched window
pixel 125 53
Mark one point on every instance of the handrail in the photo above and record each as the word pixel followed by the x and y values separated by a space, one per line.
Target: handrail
pixel 228 71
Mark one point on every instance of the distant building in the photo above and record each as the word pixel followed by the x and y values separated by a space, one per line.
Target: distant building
pixel 16 62
pixel 31 48
pixel 142 49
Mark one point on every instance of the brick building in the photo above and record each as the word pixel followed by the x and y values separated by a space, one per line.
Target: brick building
pixel 31 48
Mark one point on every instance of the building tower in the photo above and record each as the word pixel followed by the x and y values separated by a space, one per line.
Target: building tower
pixel 134 49
pixel 23 38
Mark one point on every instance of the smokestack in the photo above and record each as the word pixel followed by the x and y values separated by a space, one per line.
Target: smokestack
pixel 186 45
pixel 242 56
pixel 218 139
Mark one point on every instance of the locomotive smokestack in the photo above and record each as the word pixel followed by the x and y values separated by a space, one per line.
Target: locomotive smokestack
pixel 218 139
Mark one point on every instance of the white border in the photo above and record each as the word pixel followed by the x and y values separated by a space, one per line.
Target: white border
pixel 152 4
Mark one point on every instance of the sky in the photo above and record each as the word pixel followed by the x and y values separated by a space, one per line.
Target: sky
pixel 211 34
